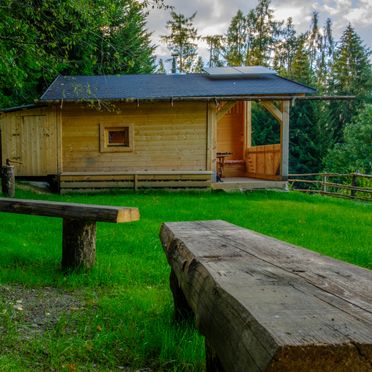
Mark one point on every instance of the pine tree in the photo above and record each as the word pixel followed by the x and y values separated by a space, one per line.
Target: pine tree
pixel 350 75
pixel 301 67
pixel 325 59
pixel 314 42
pixel 182 40
pixel 237 46
pixel 40 39
pixel 215 47
pixel 199 66
pixel 285 49
pixel 304 148
pixel 161 68
pixel 266 33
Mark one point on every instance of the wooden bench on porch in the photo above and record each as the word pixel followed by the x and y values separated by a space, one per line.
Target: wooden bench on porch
pixel 79 225
pixel 265 305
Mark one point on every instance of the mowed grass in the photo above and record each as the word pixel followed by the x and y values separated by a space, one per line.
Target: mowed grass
pixel 126 317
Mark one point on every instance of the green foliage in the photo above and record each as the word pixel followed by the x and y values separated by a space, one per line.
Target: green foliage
pixel 41 39
pixel 199 67
pixel 351 74
pixel 181 41
pixel 266 32
pixel 160 68
pixel 215 50
pixel 237 40
pixel 265 129
pixel 285 49
pixel 355 153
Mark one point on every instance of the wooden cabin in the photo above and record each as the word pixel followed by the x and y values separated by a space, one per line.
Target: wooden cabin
pixel 155 131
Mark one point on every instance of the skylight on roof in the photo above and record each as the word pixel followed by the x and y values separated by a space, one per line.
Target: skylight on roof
pixel 238 72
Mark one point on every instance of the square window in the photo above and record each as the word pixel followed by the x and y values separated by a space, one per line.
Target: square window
pixel 116 138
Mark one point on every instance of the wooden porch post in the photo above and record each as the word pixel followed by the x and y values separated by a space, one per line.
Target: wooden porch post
pixel 284 139
pixel 211 138
pixel 247 125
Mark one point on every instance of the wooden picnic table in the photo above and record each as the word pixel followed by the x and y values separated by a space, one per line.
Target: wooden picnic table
pixel 79 224
pixel 266 305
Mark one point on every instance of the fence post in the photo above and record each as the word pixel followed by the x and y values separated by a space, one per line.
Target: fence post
pixel 324 177
pixel 354 183
pixel 7 180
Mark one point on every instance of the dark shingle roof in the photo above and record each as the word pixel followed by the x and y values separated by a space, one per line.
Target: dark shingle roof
pixel 161 87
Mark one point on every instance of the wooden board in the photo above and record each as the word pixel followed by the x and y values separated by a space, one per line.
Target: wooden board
pixel 69 210
pixel 265 305
pixel 135 180
pixel 263 161
pixel 29 139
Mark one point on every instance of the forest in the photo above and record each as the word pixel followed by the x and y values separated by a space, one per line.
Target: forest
pixel 40 39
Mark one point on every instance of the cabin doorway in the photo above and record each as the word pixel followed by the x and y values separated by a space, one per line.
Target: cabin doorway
pixel 230 141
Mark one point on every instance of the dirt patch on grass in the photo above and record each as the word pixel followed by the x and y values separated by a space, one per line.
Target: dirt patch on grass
pixel 35 310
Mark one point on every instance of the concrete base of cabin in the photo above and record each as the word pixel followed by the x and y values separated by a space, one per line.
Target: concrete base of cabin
pixel 244 183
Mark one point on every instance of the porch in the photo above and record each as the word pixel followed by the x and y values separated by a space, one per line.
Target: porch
pixel 246 183
pixel 237 162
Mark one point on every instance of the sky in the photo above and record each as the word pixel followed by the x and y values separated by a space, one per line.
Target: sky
pixel 214 16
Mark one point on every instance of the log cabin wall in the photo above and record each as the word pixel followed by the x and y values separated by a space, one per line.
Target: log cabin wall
pixel 29 139
pixel 165 137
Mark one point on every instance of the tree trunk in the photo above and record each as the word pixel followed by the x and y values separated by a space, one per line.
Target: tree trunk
pixel 182 309
pixel 78 244
pixel 7 181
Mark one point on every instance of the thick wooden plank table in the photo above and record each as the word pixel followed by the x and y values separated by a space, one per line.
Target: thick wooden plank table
pixel 265 305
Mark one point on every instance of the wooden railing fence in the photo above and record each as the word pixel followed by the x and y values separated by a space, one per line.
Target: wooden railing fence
pixel 351 186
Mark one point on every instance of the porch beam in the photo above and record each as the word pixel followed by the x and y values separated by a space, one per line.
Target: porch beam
pixel 273 110
pixel 225 108
pixel 212 138
pixel 284 139
pixel 247 124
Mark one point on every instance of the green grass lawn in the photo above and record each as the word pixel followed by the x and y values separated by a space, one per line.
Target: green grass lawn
pixel 119 315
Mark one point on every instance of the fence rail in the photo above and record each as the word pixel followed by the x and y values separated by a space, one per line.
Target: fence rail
pixel 350 186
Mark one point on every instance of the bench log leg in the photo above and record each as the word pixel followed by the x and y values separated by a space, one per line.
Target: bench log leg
pixel 8 181
pixel 213 363
pixel 78 244
pixel 182 310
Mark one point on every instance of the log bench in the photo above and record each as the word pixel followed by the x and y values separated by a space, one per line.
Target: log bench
pixel 265 305
pixel 79 225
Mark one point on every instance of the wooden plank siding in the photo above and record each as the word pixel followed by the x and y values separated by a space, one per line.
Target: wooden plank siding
pixel 29 140
pixel 263 161
pixel 166 137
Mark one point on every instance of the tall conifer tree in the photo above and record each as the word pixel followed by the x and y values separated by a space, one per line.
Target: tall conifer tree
pixel 350 75
pixel 237 41
pixel 182 41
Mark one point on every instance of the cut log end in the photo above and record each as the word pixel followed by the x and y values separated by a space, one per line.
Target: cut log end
pixel 78 244
pixel 128 215
pixel 323 358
